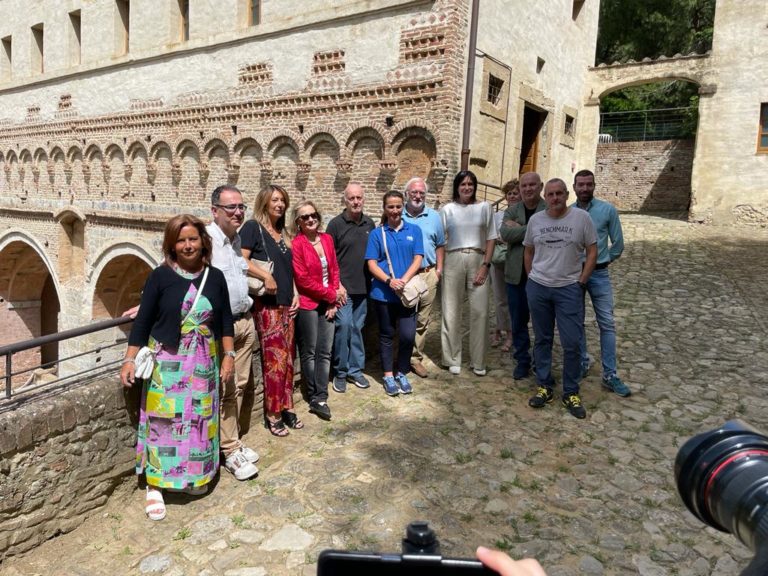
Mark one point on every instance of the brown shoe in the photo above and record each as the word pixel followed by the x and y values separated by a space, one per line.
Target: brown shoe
pixel 419 369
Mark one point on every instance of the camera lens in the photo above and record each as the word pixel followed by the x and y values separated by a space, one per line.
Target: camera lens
pixel 722 476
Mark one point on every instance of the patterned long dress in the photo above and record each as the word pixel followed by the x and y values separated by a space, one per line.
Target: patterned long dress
pixel 178 436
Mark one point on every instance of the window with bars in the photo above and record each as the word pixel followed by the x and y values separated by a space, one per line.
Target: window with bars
pixel 495 86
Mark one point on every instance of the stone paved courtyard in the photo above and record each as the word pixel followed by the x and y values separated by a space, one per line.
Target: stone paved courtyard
pixel 585 497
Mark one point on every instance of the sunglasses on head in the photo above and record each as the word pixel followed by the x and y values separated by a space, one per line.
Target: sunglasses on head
pixel 305 217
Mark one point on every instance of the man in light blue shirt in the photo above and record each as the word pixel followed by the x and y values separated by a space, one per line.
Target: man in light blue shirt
pixel 610 245
pixel 429 221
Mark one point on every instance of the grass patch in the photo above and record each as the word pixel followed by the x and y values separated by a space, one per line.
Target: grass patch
pixel 183 534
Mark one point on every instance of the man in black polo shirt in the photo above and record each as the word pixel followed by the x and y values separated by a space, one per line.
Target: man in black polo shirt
pixel 349 231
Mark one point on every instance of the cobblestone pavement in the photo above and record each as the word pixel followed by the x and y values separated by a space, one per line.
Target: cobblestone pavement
pixel 585 497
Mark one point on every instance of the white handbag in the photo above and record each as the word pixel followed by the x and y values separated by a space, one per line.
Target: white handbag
pixel 144 363
pixel 414 289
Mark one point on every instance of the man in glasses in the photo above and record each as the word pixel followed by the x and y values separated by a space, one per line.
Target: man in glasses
pixel 417 212
pixel 228 213
pixel 349 231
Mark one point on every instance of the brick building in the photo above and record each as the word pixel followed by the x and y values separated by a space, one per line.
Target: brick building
pixel 116 114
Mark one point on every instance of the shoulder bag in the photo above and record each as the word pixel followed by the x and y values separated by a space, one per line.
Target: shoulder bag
pixel 144 363
pixel 256 285
pixel 414 289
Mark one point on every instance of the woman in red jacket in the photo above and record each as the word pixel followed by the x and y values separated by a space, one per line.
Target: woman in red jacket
pixel 316 274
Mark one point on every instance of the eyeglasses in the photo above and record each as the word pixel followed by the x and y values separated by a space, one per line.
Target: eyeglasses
pixel 231 208
pixel 305 217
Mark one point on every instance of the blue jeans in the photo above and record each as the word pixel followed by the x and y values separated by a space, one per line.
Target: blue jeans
pixel 565 306
pixel 517 300
pixel 393 315
pixel 601 294
pixel 348 347
pixel 314 335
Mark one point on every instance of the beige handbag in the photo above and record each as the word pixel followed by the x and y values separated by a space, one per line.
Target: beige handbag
pixel 414 289
pixel 256 285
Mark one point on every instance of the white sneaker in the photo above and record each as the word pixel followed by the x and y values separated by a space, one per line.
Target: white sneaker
pixel 478 372
pixel 239 466
pixel 251 455
pixel 454 369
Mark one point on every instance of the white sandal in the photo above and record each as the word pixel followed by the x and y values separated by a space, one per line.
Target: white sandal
pixel 155 507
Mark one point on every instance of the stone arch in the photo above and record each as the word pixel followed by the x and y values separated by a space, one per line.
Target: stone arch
pixel 26 173
pixel 57 165
pixel 248 156
pixel 136 170
pixel 118 276
pixel 114 165
pixel 366 149
pixel 160 169
pixel 415 150
pixel 43 170
pixel 29 296
pixel 186 174
pixel 11 169
pixel 217 158
pixel 285 155
pixel 323 152
pixel 93 170
pixel 366 131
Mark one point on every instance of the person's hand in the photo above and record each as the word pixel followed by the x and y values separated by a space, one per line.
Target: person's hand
pixel 294 309
pixel 330 313
pixel 227 371
pixel 128 374
pixel 481 275
pixel 505 566
pixel 439 274
pixel 270 286
pixel 511 223
pixel 341 296
pixel 131 312
pixel 397 284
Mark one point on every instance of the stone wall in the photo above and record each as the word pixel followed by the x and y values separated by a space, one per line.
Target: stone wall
pixel 646 176
pixel 63 453
pixel 61 456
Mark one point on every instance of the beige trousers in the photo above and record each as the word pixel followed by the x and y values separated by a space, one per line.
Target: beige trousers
pixel 232 397
pixel 459 272
pixel 424 316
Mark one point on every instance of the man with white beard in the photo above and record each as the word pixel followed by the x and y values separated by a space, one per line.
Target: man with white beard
pixel 428 220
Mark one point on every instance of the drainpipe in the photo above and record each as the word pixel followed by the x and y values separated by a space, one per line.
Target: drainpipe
pixel 470 85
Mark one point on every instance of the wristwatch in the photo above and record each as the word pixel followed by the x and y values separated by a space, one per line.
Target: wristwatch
pixel 388 281
pixel 487 264
pixel 230 353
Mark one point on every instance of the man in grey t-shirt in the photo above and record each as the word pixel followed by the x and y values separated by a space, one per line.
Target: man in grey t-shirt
pixel 554 242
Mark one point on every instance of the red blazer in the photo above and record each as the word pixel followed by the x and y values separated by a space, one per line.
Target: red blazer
pixel 308 272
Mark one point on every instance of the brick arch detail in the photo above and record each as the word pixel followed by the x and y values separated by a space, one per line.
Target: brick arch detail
pixel 284 137
pixel 57 151
pixel 404 130
pixel 18 235
pixel 366 129
pixel 120 248
pixel 112 148
pixel 74 150
pixel 245 142
pixel 25 155
pixel 157 146
pixel 215 143
pixel 91 151
pixel 317 137
pixel 73 211
pixel 185 144
pixel 134 148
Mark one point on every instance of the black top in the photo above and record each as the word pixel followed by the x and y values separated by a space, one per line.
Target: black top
pixel 351 240
pixel 251 235
pixel 160 311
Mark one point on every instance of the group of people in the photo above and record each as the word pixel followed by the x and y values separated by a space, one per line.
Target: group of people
pixel 278 281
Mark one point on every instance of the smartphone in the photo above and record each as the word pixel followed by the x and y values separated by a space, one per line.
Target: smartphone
pixel 343 563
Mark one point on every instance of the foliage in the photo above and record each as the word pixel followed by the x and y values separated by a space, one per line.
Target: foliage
pixel 636 29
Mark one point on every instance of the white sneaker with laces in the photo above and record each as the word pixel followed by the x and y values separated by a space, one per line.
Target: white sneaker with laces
pixel 455 369
pixel 239 466
pixel 251 455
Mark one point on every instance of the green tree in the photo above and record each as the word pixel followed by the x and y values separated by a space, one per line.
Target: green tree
pixel 637 29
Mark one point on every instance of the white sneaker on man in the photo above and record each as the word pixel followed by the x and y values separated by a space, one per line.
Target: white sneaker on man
pixel 251 455
pixel 238 465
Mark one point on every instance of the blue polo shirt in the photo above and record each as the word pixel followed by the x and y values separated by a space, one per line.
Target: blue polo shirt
pixel 403 245
pixel 605 217
pixel 432 230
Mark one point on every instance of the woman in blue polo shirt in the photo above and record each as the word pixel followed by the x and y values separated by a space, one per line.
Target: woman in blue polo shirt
pixel 406 249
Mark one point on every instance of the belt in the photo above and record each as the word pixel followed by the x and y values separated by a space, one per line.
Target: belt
pixel 602 265
pixel 236 317
pixel 426 269
pixel 468 251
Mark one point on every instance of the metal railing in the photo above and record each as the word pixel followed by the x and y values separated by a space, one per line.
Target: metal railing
pixel 11 349
pixel 644 125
